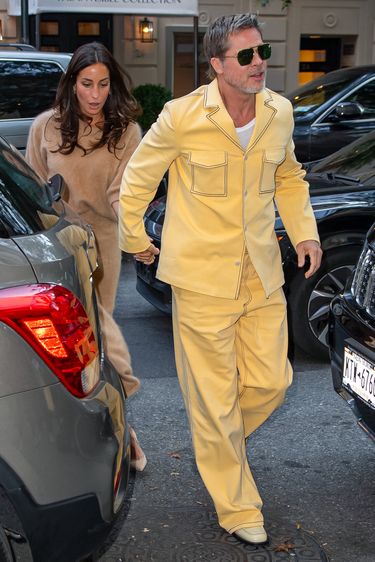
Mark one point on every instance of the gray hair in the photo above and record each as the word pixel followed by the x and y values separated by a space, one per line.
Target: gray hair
pixel 215 41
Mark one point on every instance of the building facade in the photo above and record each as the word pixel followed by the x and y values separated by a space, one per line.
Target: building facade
pixel 309 37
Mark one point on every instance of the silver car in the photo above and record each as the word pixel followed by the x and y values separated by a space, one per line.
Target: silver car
pixel 64 445
pixel 28 84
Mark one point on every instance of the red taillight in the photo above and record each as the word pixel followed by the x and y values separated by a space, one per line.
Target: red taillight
pixel 53 321
pixel 47 335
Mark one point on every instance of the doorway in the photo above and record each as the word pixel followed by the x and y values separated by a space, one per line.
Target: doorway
pixel 65 32
pixel 318 55
pixel 183 63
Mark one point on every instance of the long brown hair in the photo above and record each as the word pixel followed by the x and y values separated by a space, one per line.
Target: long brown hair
pixel 119 110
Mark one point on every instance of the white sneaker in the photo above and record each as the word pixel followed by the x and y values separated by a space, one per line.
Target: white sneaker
pixel 253 535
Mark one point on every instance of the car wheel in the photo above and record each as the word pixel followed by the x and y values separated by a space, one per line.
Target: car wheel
pixel 5 551
pixel 309 299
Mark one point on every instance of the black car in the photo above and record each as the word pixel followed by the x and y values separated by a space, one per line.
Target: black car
pixel 342 188
pixel 333 111
pixel 352 339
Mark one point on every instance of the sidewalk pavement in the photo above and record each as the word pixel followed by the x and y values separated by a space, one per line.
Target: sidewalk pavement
pixel 310 462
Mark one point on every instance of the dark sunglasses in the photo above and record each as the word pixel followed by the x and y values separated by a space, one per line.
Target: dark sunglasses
pixel 245 56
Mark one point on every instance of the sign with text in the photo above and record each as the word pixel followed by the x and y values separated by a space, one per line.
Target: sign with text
pixel 149 7
pixel 14 7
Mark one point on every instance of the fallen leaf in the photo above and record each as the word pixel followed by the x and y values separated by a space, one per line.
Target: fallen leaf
pixel 284 546
pixel 145 530
pixel 175 455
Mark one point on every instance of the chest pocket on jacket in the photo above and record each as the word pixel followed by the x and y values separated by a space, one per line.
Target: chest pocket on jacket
pixel 271 160
pixel 209 173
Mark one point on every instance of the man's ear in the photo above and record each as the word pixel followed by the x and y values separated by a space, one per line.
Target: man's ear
pixel 217 65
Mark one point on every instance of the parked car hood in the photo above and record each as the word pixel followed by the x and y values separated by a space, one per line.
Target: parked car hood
pixel 338 204
pixel 353 164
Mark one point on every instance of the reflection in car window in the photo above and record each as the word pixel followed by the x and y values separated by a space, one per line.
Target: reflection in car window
pixel 355 160
pixel 27 87
pixel 25 201
pixel 308 97
pixel 365 96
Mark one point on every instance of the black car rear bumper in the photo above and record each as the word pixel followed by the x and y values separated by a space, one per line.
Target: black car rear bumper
pixel 350 328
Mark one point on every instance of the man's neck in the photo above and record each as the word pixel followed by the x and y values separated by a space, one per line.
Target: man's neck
pixel 240 106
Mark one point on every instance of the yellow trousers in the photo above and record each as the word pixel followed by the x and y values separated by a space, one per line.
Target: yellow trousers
pixel 232 365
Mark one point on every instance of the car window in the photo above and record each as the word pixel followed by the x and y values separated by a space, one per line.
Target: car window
pixel 26 205
pixel 27 87
pixel 310 96
pixel 365 96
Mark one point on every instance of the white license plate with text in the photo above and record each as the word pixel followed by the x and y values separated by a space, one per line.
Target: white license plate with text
pixel 359 376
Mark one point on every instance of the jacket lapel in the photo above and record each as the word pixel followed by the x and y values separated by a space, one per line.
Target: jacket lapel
pixel 265 111
pixel 217 113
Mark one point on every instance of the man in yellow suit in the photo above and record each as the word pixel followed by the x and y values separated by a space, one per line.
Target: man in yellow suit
pixel 229 150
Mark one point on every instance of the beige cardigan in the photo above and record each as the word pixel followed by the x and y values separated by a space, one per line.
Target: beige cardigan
pixel 92 185
pixel 93 181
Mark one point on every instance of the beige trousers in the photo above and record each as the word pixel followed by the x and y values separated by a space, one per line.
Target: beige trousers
pixel 106 283
pixel 232 364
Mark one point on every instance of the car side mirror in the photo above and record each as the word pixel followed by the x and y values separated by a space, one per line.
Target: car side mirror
pixel 348 110
pixel 56 184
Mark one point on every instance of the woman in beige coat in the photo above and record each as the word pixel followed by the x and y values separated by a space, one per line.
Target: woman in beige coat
pixel 88 138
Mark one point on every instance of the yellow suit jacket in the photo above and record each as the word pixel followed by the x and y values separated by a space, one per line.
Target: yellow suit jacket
pixel 221 198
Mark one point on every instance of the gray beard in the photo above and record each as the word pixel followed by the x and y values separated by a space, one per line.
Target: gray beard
pixel 253 90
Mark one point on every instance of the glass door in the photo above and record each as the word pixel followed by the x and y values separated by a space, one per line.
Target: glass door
pixel 65 32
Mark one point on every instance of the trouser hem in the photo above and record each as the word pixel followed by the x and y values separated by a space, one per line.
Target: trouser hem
pixel 247 524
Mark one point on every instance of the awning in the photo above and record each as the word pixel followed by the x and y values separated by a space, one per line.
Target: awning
pixel 139 7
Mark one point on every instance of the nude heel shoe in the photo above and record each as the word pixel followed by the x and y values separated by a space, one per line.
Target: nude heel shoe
pixel 138 459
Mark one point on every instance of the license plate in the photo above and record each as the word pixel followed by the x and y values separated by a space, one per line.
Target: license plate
pixel 359 376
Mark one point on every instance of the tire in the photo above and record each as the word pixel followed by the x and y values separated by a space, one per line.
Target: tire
pixel 5 551
pixel 309 299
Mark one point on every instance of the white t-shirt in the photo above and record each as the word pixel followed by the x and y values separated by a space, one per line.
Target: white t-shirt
pixel 244 133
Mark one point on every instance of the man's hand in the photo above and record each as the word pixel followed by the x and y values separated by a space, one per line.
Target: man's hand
pixel 312 249
pixel 148 256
